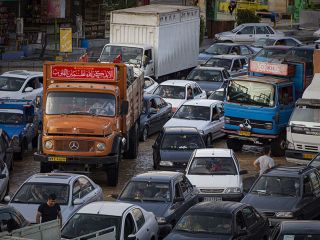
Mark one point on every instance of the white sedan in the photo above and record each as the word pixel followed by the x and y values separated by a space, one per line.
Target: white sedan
pixel 204 114
pixel 124 220
pixel 176 92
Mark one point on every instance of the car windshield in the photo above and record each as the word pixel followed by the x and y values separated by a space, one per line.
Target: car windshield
pixel 81 103
pixel 146 191
pixel 173 92
pixel 262 42
pixel 130 55
pixel 251 93
pixel 181 142
pixel 210 223
pixel 205 75
pixel 11 84
pixel 11 118
pixel 277 186
pixel 306 114
pixel 212 166
pixel 193 113
pixel 270 54
pixel 217 95
pixel 236 29
pixel 81 224
pixel 307 236
pixel 219 62
pixel 36 193
pixel 218 49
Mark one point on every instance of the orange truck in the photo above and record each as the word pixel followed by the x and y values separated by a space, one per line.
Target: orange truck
pixel 91 117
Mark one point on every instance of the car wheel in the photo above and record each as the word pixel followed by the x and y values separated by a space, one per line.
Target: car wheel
pixel 145 134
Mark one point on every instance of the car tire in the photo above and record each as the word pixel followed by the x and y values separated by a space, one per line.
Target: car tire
pixel 278 146
pixel 234 144
pixel 132 153
pixel 209 140
pixel 145 134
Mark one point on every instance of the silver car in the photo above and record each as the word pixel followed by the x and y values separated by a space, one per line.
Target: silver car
pixel 248 32
pixel 72 190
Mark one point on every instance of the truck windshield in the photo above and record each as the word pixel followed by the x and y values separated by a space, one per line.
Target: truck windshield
pixel 168 91
pixel 219 62
pixel 11 118
pixel 306 114
pixel 131 55
pixel 80 103
pixel 251 93
pixel 10 83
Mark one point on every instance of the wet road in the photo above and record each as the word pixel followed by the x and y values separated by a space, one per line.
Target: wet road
pixel 128 168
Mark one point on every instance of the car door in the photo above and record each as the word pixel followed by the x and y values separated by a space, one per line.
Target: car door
pixel 3 181
pixel 128 226
pixel 156 149
pixel 198 92
pixel 143 230
pixel 164 112
pixel 245 51
pixel 7 223
pixel 178 206
pixel 154 118
pixel 215 125
pixel 261 32
pixel 308 200
pixel 245 34
pixel 36 86
pixel 253 225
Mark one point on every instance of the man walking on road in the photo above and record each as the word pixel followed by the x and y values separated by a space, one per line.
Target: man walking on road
pixel 264 162
pixel 49 211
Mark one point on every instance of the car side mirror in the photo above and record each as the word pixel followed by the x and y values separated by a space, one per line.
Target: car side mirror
pixel 78 201
pixel 124 108
pixel 7 198
pixel 2 176
pixel 131 237
pixel 38 101
pixel 28 89
pixel 178 199
pixel 9 150
pixel 243 172
pixel 242 232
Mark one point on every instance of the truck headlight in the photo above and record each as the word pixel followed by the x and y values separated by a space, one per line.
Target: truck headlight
pixel 101 146
pixel 284 214
pixel 290 145
pixel 232 190
pixel 161 220
pixel 166 163
pixel 268 126
pixel 226 119
pixel 48 144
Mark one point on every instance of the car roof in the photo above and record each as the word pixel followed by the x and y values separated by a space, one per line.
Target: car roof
pixel 165 176
pixel 255 24
pixel 300 227
pixel 63 178
pixel 106 208
pixel 225 207
pixel 21 74
pixel 229 56
pixel 177 82
pixel 278 47
pixel 214 152
pixel 228 44
pixel 173 130
pixel 147 96
pixel 210 68
pixel 288 171
pixel 201 102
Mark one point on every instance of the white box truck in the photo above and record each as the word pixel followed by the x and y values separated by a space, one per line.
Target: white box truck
pixel 303 131
pixel 159 40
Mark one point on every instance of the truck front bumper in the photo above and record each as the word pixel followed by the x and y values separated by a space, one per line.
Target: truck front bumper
pixel 76 160
pixel 299 157
pixel 249 136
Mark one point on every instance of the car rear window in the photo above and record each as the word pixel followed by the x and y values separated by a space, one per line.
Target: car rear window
pixel 180 142
pixel 212 166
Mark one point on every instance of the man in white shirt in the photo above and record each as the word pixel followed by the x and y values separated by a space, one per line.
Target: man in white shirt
pixel 264 162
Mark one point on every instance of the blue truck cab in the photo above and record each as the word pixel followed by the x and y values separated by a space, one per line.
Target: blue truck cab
pixel 258 107
pixel 21 120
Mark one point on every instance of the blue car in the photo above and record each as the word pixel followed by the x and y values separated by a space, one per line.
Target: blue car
pixel 21 121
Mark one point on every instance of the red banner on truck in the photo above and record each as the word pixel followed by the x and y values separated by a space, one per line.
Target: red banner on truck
pixel 91 73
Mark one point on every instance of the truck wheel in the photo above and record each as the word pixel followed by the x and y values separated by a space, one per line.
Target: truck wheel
pixel 278 146
pixel 19 155
pixel 132 153
pixel 112 175
pixel 234 144
pixel 45 168
pixel 35 142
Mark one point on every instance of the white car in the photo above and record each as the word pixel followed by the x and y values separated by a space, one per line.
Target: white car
pixel 316 34
pixel 275 41
pixel 175 92
pixel 149 84
pixel 216 173
pixel 21 84
pixel 248 32
pixel 130 221
pixel 204 114
pixel 4 176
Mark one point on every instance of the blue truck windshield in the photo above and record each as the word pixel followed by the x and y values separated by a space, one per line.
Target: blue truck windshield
pixel 11 118
pixel 251 93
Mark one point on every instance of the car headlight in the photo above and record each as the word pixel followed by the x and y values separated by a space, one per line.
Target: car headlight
pixel 161 220
pixel 226 119
pixel 101 146
pixel 232 190
pixel 284 214
pixel 217 36
pixel 290 145
pixel 48 144
pixel 166 163
pixel 268 126
pixel 15 140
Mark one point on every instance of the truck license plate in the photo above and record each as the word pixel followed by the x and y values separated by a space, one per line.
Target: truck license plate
pixel 308 155
pixel 214 199
pixel 245 133
pixel 57 159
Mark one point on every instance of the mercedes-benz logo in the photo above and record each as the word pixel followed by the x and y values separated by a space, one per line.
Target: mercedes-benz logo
pixel 74 145
pixel 246 122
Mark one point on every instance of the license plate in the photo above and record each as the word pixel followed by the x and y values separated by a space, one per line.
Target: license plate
pixel 308 155
pixel 245 133
pixel 214 199
pixel 57 159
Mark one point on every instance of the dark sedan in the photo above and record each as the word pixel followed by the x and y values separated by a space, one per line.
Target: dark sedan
pixel 221 220
pixel 6 152
pixel 156 112
pixel 174 146
pixel 11 219
pixel 167 194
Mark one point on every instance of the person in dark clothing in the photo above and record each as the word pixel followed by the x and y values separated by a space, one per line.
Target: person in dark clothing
pixel 190 93
pixel 232 6
pixel 49 211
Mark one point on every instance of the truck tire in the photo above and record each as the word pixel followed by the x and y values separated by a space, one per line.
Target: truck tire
pixel 112 175
pixel 45 168
pixel 24 147
pixel 234 144
pixel 278 146
pixel 132 152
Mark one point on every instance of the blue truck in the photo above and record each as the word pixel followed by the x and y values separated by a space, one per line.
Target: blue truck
pixel 21 120
pixel 258 107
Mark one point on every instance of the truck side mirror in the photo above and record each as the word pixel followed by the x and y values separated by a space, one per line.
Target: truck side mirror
pixel 124 108
pixel 38 101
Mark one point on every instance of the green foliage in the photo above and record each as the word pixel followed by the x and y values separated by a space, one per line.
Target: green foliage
pixel 246 16
pixel 202 29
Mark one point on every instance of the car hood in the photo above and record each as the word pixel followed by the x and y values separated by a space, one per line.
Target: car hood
pixel 208 86
pixel 12 129
pixel 178 122
pixel 174 102
pixel 176 235
pixel 214 181
pixel 158 208
pixel 226 33
pixel 271 203
pixel 175 156
pixel 10 95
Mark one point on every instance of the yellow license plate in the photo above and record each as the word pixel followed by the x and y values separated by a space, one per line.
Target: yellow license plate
pixel 57 159
pixel 245 133
pixel 308 155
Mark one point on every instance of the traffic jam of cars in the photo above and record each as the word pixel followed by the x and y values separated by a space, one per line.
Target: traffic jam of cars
pixel 254 87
